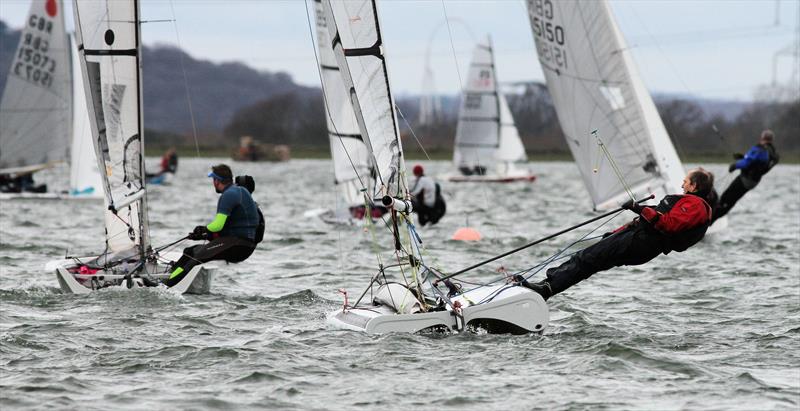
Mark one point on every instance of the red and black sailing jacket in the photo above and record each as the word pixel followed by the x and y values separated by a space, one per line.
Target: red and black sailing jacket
pixel 682 220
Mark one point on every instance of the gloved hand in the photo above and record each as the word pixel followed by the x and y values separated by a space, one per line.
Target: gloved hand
pixel 633 206
pixel 199 233
pixel 738 156
pixel 732 167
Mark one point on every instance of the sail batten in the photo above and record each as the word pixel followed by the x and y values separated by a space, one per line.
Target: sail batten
pixel 595 86
pixel 108 44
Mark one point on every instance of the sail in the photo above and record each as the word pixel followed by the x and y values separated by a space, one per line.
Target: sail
pixel 109 47
pixel 36 108
pixel 595 86
pixel 85 180
pixel 478 130
pixel 350 158
pixel 510 147
pixel 358 47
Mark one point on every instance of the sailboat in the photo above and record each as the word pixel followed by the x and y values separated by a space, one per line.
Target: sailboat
pixel 404 296
pixel 349 153
pixel 43 116
pixel 109 47
pixel 487 145
pixel 602 103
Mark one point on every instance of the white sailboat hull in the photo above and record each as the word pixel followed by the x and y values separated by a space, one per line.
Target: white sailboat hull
pixel 197 281
pixel 513 309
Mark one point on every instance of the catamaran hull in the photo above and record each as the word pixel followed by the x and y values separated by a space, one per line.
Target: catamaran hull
pixel 198 281
pixel 514 310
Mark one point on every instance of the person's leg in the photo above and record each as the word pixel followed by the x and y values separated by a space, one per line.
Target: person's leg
pixel 728 199
pixel 609 252
pixel 230 249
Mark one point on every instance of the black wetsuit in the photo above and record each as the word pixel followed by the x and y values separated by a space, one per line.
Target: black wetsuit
pixel 675 224
pixel 757 162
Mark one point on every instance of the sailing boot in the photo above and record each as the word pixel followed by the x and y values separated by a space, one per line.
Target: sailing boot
pixel 542 287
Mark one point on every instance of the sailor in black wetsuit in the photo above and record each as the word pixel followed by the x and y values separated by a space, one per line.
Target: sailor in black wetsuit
pixel 753 165
pixel 675 224
pixel 232 234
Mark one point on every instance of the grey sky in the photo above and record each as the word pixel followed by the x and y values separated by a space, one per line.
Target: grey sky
pixel 711 48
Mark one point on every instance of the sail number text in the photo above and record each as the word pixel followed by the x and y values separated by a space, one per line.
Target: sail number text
pixel 32 62
pixel 552 37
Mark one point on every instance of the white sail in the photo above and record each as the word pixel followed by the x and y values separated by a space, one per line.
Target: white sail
pixel 358 47
pixel 36 108
pixel 85 180
pixel 478 130
pixel 595 86
pixel 486 132
pixel 109 46
pixel 350 158
pixel 510 147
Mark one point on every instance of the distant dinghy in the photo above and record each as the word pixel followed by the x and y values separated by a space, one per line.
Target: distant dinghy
pixel 110 49
pixel 411 301
pixel 43 115
pixel 487 146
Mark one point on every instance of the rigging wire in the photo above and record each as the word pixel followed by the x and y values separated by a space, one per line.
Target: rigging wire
pixel 185 81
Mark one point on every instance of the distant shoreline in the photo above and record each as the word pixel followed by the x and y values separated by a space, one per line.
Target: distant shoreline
pixel 445 155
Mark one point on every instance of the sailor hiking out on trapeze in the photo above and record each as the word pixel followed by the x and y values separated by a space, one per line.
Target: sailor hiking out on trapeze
pixel 675 224
pixel 234 232
pixel 753 165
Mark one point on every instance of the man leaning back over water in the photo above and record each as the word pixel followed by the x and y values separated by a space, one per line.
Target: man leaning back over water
pixel 232 234
pixel 675 224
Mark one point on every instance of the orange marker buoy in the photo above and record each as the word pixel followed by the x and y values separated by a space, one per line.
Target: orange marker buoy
pixel 466 234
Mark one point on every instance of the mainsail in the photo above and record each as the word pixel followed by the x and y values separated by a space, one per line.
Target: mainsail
pixel 358 47
pixel 486 132
pixel 595 86
pixel 36 108
pixel 350 158
pixel 109 46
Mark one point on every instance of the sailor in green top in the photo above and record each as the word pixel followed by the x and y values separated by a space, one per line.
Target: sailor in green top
pixel 231 233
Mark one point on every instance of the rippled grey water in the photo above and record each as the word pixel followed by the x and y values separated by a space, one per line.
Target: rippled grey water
pixel 716 327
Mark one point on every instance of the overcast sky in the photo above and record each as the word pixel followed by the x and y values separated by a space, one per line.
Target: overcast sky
pixel 711 48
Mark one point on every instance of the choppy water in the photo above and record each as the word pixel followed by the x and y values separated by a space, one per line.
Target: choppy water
pixel 716 327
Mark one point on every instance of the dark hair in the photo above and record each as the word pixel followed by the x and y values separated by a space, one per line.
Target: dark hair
pixel 223 171
pixel 247 182
pixel 703 181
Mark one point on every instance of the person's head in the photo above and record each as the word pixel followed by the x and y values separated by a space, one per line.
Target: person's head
pixel 221 176
pixel 767 136
pixel 698 181
pixel 418 170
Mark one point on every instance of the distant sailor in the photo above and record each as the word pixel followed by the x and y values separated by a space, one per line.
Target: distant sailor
pixel 426 198
pixel 753 165
pixel 232 234
pixel 675 224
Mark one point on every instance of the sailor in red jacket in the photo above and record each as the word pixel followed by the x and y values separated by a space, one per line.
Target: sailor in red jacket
pixel 675 224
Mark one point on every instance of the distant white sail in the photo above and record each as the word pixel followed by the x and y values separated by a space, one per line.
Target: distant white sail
pixel 109 45
pixel 85 180
pixel 36 108
pixel 595 86
pixel 358 48
pixel 350 157
pixel 486 132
